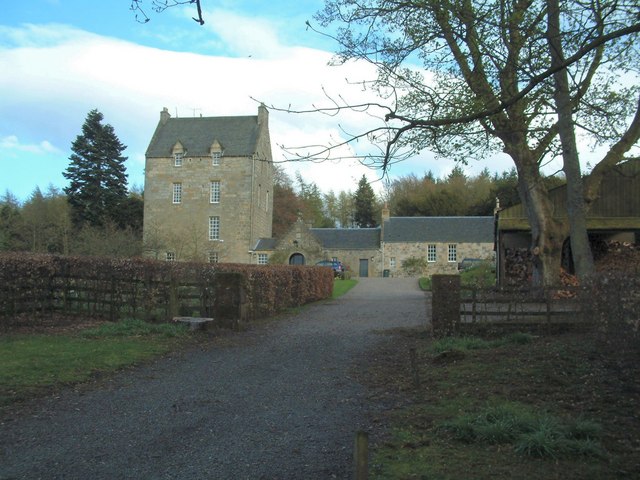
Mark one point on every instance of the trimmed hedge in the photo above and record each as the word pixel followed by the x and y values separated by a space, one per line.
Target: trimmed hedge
pixel 35 286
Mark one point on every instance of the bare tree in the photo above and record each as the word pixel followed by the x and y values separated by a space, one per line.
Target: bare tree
pixel 488 82
pixel 159 6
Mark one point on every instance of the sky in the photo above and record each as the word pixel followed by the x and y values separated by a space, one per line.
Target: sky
pixel 60 59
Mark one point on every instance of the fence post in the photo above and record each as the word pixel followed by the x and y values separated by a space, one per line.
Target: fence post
pixel 445 305
pixel 414 368
pixel 474 299
pixel 173 297
pixel 361 456
pixel 548 306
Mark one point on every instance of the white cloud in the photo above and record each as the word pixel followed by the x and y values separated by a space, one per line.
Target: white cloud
pixel 59 73
pixel 244 36
pixel 11 142
pixel 63 73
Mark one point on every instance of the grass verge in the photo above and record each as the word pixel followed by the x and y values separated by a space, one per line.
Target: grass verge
pixel 481 276
pixel 515 407
pixel 340 287
pixel 34 364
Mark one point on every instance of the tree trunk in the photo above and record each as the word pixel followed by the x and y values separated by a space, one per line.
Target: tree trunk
pixel 547 232
pixel 580 247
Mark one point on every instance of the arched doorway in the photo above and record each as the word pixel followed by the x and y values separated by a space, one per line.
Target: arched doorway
pixel 296 259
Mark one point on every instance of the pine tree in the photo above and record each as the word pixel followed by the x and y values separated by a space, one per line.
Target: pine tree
pixel 365 205
pixel 98 182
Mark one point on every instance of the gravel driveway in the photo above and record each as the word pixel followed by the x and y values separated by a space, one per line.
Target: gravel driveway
pixel 274 402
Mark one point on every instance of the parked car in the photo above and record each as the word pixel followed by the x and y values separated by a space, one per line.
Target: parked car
pixel 338 269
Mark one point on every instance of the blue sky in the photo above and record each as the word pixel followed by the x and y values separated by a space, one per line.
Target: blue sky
pixel 59 59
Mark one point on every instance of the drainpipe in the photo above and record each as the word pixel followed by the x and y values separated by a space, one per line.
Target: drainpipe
pixel 253 179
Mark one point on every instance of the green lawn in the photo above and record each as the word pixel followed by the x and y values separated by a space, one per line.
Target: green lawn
pixel 340 287
pixel 34 364
pixel 481 276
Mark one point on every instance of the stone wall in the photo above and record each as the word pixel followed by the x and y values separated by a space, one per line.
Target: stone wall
pixel 403 251
pixel 351 260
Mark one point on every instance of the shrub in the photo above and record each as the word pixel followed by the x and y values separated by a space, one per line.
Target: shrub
pixel 414 266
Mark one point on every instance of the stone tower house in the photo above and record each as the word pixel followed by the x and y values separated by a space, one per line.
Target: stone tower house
pixel 208 192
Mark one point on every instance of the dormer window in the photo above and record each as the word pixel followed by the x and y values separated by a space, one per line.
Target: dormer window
pixel 216 153
pixel 178 154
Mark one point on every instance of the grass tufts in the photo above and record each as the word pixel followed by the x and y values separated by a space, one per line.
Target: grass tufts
pixel 474 343
pixel 135 328
pixel 532 433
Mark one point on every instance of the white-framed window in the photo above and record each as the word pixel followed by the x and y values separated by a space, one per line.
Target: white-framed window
pixel 214 191
pixel 177 193
pixel 215 158
pixel 263 259
pixel 213 257
pixel 431 253
pixel 170 256
pixel 392 263
pixel 214 228
pixel 452 255
pixel 177 159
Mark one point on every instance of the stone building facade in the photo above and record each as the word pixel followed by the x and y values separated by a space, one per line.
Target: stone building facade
pixel 433 244
pixel 441 242
pixel 208 188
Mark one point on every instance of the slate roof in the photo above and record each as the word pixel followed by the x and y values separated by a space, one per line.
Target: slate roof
pixel 265 244
pixel 348 238
pixel 439 229
pixel 237 136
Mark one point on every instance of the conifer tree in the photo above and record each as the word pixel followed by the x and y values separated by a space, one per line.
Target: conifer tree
pixel 365 205
pixel 98 182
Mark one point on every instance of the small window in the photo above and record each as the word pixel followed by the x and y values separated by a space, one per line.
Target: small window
pixel 392 262
pixel 177 193
pixel 263 259
pixel 214 228
pixel 453 253
pixel 431 253
pixel 215 158
pixel 214 192
pixel 177 159
pixel 170 256
pixel 213 257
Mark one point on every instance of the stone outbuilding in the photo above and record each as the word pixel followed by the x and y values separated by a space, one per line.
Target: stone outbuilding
pixel 401 246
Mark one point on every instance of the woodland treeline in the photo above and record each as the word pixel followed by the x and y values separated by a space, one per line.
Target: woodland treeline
pixel 43 223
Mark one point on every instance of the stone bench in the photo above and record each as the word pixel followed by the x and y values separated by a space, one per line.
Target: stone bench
pixel 194 323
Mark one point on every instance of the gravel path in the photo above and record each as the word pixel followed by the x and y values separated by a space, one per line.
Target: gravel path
pixel 275 402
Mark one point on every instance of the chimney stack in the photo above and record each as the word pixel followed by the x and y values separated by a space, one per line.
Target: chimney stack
pixel 164 116
pixel 263 114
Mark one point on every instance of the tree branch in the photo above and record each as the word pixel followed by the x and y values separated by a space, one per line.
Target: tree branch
pixel 160 6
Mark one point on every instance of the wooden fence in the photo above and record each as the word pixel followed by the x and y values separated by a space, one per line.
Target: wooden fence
pixel 457 309
pixel 516 307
